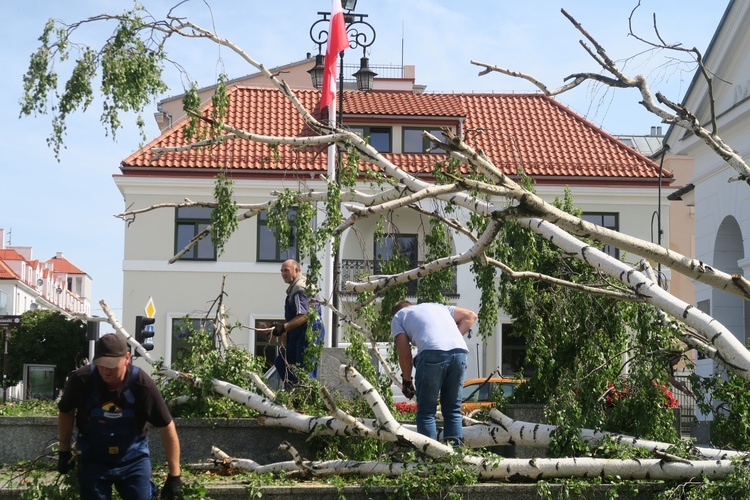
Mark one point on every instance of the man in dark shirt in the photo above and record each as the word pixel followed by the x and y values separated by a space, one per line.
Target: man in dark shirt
pixel 112 404
pixel 296 307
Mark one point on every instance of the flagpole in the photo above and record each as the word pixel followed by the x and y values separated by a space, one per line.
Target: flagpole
pixel 329 250
pixel 336 38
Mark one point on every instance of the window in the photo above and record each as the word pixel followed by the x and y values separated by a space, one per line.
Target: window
pixel 3 303
pixel 514 354
pixel 269 249
pixel 182 328
pixel 608 220
pixel 190 221
pixel 415 143
pixel 398 244
pixel 266 345
pixel 379 137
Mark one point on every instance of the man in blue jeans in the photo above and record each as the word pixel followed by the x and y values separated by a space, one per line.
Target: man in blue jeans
pixel 437 332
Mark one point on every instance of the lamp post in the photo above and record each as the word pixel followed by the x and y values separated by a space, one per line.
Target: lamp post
pixel 360 34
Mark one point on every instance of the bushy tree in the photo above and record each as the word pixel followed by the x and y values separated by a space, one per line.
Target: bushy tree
pixel 49 338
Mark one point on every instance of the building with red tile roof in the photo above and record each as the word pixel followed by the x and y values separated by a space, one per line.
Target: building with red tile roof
pixel 27 284
pixel 613 184
pixel 553 144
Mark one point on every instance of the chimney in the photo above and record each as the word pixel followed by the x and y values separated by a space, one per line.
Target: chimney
pixel 59 255
pixel 2 238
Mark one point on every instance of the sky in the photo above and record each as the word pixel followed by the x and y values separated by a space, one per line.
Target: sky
pixel 69 206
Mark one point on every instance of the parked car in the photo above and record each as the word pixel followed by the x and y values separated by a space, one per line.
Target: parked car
pixel 479 393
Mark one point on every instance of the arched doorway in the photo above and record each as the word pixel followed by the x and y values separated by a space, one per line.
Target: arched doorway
pixel 727 308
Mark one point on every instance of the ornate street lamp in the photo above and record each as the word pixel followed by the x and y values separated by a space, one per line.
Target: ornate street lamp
pixel 316 72
pixel 360 34
pixel 348 4
pixel 365 76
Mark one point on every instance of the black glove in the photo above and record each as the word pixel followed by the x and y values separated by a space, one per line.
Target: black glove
pixel 407 387
pixel 278 329
pixel 172 488
pixel 64 461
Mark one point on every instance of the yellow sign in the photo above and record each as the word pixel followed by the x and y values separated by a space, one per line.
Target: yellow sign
pixel 150 308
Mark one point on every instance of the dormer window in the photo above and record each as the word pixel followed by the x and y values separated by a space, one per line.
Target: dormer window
pixel 414 142
pixel 378 137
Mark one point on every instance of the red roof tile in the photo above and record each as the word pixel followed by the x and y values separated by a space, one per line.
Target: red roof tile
pixel 6 272
pixel 63 265
pixel 10 254
pixel 514 130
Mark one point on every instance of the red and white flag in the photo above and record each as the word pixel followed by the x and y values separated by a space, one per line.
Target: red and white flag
pixel 337 41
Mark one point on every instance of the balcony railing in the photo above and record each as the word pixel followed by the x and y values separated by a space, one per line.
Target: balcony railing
pixel 382 70
pixel 353 270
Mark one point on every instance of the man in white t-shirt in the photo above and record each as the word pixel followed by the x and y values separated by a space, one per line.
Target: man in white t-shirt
pixel 437 331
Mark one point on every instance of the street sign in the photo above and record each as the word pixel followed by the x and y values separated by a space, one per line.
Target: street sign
pixel 10 320
pixel 150 308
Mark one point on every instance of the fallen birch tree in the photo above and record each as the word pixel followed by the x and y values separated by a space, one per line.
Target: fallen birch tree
pixel 717 464
pixel 503 430
pixel 485 195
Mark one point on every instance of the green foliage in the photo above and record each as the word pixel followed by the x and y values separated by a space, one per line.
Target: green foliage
pixel 130 64
pixel 736 486
pixel 203 360
pixel 39 487
pixel 436 479
pixel 224 216
pixel 727 397
pixel 131 71
pixel 349 169
pixel 432 286
pixel 278 217
pixel 49 338
pixel 191 102
pixel 200 127
pixel 29 408
pixel 576 343
pixel 395 265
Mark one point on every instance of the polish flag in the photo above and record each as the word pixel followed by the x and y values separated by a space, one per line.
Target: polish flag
pixel 337 41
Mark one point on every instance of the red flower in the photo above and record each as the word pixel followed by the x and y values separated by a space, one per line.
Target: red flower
pixel 406 406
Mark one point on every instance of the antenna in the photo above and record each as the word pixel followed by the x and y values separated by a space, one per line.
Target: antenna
pixel 402 49
pixel 10 232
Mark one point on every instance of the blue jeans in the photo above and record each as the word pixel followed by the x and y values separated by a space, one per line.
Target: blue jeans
pixel 132 480
pixel 440 374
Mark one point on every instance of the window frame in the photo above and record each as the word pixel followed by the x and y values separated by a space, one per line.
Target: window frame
pixel 366 132
pixel 265 340
pixel 279 255
pixel 590 216
pixel 437 132
pixel 199 224
pixel 178 342
pixel 513 354
pixel 411 286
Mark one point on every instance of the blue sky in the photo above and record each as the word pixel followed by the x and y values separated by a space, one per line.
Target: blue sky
pixel 69 206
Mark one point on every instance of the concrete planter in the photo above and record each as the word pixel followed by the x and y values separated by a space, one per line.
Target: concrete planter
pixel 526 413
pixel 26 438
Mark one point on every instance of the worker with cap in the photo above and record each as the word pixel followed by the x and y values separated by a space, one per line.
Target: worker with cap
pixel 112 404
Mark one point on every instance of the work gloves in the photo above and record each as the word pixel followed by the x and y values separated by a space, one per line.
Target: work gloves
pixel 64 461
pixel 278 329
pixel 407 387
pixel 172 488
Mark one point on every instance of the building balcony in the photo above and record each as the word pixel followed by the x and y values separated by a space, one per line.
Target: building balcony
pixel 354 269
